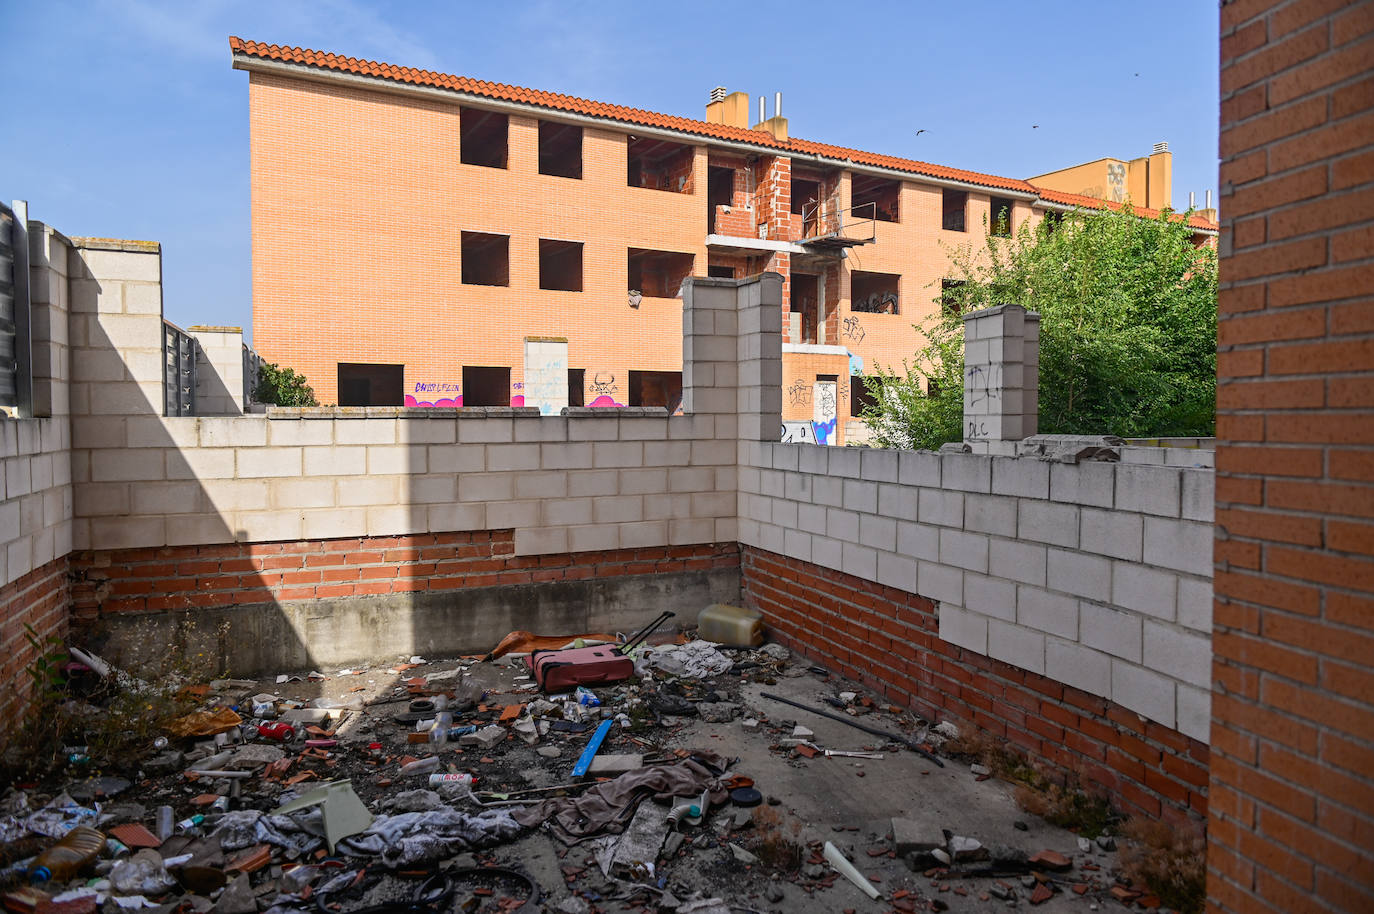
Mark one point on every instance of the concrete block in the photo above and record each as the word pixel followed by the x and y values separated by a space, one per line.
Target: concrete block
pixel 1183 545
pixel 899 501
pixel 1177 652
pixel 1090 483
pixel 642 481
pixel 713 504
pixel 812 458
pixel 944 509
pixel 1195 713
pixel 911 835
pixel 990 596
pixel 897 571
pixel 1048 612
pixel 251 463
pixel 334 461
pixel 396 459
pixel 963 628
pixel 107 465
pixel 617 454
pixel 541 541
pixel 1119 534
pixel 811 517
pixel 878 532
pixel 1146 590
pixel 619 509
pixel 308 493
pixel 941 582
pixel 644 534
pixel 199 529
pixel 1018 561
pixel 236 431
pixel 827 490
pixel 842 525
pixel 919 541
pixel 102 432
pixel 772 483
pixel 878 465
pixel 845 462
pixel 267 526
pixel 1149 489
pixel 860 561
pixel 919 468
pixel 712 453
pixel 1080 574
pixel 593 482
pixel 1017 645
pixel 966 472
pixel 995 514
pixel 796 544
pixel 451 458
pixel 235 495
pixel 542 484
pixel 687 530
pixel 783 457
pixel 164 497
pixel 370 490
pixel 455 517
pixel 1024 477
pixel 861 496
pixel 299 432
pixel 667 453
pixel 364 431
pixel 964 550
pixel 1047 522
pixel 422 431
pixel 1195 604
pixel 561 456
pixel 1143 691
pixel 486 487
pixel 1110 630
pixel 517 458
pixel 487 430
pixel 1199 495
pixel 514 515
pixel 1078 666
pixel 771 538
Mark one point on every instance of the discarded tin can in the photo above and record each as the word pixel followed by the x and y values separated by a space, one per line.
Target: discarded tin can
pixel 276 731
pixel 116 848
pixel 587 697
pixel 186 825
pixel 220 805
pixel 265 710
pixel 165 818
pixel 160 743
pixel 436 780
pixel 461 731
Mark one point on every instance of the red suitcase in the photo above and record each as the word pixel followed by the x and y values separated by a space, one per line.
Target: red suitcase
pixel 557 671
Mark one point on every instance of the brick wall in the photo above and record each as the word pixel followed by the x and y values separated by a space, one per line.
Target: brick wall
pixel 39 599
pixel 889 639
pixel 1292 814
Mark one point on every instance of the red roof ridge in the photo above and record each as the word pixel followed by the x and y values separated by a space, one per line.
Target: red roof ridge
pixel 1063 197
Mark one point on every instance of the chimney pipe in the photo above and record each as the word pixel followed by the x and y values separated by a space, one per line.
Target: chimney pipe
pixel 777 105
pixel 1192 199
pixel 1208 197
pixel 718 94
pixel 763 109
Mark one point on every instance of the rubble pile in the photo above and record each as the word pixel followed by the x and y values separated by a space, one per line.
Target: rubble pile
pixel 461 786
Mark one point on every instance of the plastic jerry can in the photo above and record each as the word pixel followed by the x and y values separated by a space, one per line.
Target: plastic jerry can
pixel 730 625
pixel 68 857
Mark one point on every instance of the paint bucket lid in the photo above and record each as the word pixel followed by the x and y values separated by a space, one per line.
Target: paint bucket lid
pixel 745 796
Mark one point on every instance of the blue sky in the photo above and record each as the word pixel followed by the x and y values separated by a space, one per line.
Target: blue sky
pixel 130 123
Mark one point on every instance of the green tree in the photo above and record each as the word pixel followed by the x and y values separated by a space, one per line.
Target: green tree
pixel 283 387
pixel 1128 310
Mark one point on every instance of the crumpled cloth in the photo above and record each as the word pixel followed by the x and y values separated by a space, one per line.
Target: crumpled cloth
pixel 418 837
pixel 399 840
pixel 694 660
pixel 609 806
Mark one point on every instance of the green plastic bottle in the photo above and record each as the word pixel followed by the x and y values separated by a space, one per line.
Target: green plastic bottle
pixel 77 850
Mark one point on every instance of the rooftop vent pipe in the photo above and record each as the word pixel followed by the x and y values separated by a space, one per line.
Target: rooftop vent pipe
pixel 763 109
pixel 1161 147
pixel 777 105
pixel 718 94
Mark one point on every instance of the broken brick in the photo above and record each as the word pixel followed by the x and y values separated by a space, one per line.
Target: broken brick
pixel 1051 860
pixel 1042 894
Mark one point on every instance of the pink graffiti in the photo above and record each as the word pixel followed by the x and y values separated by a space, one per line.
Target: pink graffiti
pixel 455 401
pixel 604 400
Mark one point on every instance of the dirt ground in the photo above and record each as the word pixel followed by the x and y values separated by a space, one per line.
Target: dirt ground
pixel 766 857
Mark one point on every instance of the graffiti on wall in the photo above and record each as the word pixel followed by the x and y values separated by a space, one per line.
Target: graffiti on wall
pixel 853 330
pixel 1116 180
pixel 546 375
pixel 799 393
pixel 435 393
pixel 606 390
pixel 826 414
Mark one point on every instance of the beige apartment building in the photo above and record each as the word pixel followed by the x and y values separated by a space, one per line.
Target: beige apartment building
pixel 431 240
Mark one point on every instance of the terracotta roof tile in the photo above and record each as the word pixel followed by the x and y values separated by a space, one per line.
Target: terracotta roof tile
pixel 558 102
pixel 1067 199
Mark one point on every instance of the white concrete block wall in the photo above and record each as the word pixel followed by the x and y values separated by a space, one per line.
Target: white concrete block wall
pixel 1097 574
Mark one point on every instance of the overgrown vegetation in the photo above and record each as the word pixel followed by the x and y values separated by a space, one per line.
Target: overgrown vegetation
pixel 1169 860
pixel 283 387
pixel 1128 310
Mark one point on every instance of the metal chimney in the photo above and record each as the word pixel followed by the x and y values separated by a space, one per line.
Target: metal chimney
pixel 1207 197
pixel 777 104
pixel 763 109
pixel 718 94
pixel 1192 200
pixel 1161 147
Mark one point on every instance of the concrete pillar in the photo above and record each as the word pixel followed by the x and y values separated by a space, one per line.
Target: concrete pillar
pixel 219 370
pixel 48 257
pixel 732 354
pixel 1001 378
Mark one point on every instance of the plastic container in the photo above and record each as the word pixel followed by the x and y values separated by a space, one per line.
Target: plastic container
pixel 730 625
pixel 587 698
pixel 420 766
pixel 442 725
pixel 438 780
pixel 77 850
pixel 166 820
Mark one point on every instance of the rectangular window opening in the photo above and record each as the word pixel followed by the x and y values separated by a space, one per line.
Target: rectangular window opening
pixel 560 150
pixel 805 307
pixel 720 271
pixel 656 388
pixel 999 217
pixel 659 165
pixel 482 137
pixel 484 386
pixel 954 204
pixel 859 397
pixel 657 274
pixel 875 198
pixel 560 265
pixel 874 293
pixel 576 385
pixel 486 259
pixel 363 384
pixel 805 194
pixel 949 296
pixel 720 191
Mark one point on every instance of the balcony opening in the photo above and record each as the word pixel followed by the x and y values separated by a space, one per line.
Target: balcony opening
pixel 999 217
pixel 875 198
pixel 576 385
pixel 954 204
pixel 660 165
pixel 560 150
pixel 874 293
pixel 804 309
pixel 482 137
pixel 363 384
pixel 656 388
pixel 486 259
pixel 657 274
pixel 560 265
pixel 859 397
pixel 720 271
pixel 951 296
pixel 720 191
pixel 486 386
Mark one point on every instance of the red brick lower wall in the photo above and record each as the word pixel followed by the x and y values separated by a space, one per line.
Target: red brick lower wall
pixel 889 640
pixel 38 599
pixel 198 577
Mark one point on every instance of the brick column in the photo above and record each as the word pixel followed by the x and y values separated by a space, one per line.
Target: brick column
pixel 1001 377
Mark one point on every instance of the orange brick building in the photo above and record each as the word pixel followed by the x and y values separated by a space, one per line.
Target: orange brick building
pixel 425 239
